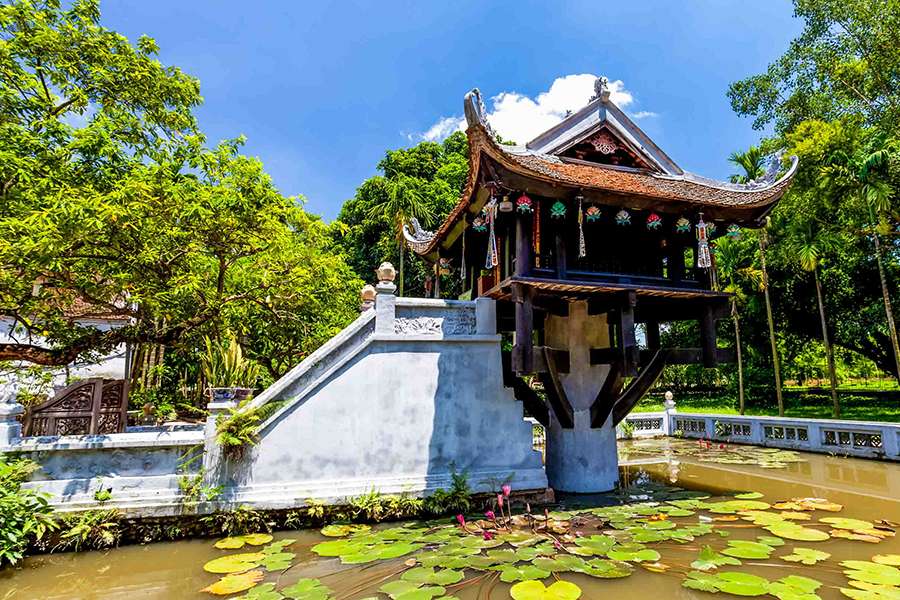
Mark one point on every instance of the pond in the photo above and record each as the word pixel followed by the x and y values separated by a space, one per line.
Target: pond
pixel 697 521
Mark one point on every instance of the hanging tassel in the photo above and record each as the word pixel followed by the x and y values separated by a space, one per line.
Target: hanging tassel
pixel 582 251
pixel 462 261
pixel 491 260
pixel 703 259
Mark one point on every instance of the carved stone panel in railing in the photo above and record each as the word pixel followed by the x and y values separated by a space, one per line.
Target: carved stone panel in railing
pixel 449 322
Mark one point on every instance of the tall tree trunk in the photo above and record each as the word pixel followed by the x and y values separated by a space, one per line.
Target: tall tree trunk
pixel 763 241
pixel 889 312
pixel 737 345
pixel 401 267
pixel 829 351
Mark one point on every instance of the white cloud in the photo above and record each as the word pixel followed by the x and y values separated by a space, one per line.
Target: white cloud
pixel 644 114
pixel 520 118
pixel 443 128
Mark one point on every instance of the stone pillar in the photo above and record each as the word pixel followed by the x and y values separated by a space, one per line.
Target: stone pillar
pixel 213 457
pixel 581 459
pixel 367 298
pixel 670 410
pixel 485 316
pixel 385 301
pixel 10 427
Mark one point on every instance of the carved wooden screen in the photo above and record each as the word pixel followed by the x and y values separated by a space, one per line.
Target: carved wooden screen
pixel 89 406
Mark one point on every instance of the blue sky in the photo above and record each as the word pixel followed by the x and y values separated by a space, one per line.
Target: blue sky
pixel 322 89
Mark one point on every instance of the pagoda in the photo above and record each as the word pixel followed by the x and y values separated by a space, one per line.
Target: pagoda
pixel 585 236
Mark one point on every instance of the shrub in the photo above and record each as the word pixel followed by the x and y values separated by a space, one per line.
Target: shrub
pixel 89 530
pixel 25 515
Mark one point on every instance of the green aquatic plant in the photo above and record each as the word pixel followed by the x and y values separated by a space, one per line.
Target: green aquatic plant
pixel 91 530
pixel 239 521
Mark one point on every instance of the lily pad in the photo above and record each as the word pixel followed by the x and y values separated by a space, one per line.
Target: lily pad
pixel 560 563
pixel 252 539
pixel 510 573
pixel 633 553
pixel 733 506
pixel 607 569
pixel 795 587
pixel 343 530
pixel 843 523
pixel 232 584
pixel 749 496
pixel 265 591
pixel 887 559
pixel 793 531
pixel 278 561
pixel 307 589
pixel 747 549
pixel 709 559
pixel 593 545
pixel 870 572
pixel 806 556
pixel 426 575
pixel 535 590
pixel 234 563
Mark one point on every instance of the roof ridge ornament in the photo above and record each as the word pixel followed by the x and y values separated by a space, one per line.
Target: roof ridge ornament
pixel 475 111
pixel 601 89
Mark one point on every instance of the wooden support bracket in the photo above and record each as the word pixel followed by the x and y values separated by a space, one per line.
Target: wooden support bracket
pixel 606 397
pixel 556 393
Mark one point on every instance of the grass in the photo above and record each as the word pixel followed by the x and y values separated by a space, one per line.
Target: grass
pixel 812 406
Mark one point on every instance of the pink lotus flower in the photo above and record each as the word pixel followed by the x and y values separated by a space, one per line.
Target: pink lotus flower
pixel 579 534
pixel 557 545
pixel 506 490
pixel 487 535
pixel 490 515
pixel 461 520
pixel 500 500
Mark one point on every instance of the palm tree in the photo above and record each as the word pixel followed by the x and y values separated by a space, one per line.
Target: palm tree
pixel 401 202
pixel 844 178
pixel 808 242
pixel 735 266
pixel 753 163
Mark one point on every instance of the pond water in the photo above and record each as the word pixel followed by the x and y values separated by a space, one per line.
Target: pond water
pixel 657 538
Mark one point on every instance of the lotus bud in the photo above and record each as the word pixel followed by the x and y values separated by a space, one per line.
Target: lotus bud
pixel 461 520
pixel 506 490
pixel 490 515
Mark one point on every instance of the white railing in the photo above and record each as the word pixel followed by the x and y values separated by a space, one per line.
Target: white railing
pixel 852 438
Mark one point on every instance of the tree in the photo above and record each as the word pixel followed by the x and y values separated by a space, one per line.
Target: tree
pixel 431 175
pixel 735 265
pixel 810 240
pixel 112 201
pixel 752 162
pixel 845 62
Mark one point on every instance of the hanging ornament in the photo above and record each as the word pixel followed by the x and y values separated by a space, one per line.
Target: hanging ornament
pixel 479 224
pixel 623 217
pixel 682 225
pixel 654 222
pixel 444 266
pixel 536 233
pixel 582 250
pixel 592 214
pixel 703 259
pixel 523 205
pixel 506 204
pixel 733 231
pixel 490 211
pixel 558 210
pixel 710 228
pixel 462 261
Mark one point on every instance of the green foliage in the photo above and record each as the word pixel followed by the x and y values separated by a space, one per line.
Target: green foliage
pixel 425 182
pixel 224 365
pixel 627 429
pixel 25 515
pixel 240 521
pixel 112 198
pixel 89 530
pixel 376 507
pixel 193 491
pixel 237 429
pixel 458 499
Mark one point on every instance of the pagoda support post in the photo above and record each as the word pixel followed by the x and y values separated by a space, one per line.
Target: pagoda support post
pixel 652 334
pixel 626 331
pixel 523 350
pixel 580 458
pixel 561 268
pixel 708 337
pixel 524 259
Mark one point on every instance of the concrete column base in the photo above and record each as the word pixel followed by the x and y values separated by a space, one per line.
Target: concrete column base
pixel 581 459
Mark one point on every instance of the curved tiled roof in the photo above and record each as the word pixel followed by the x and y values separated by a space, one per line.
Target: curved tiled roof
pixel 745 201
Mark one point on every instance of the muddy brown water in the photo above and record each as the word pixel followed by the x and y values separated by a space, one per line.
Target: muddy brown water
pixel 868 489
